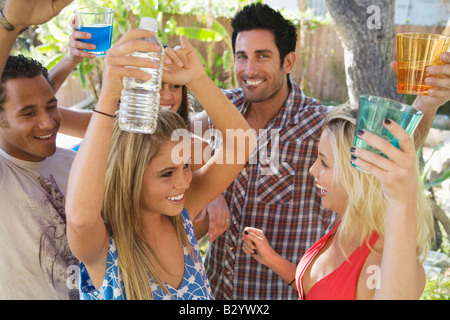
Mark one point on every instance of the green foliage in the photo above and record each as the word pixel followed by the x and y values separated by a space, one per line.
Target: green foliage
pixel 426 169
pixel 49 43
pixel 437 286
pixel 201 34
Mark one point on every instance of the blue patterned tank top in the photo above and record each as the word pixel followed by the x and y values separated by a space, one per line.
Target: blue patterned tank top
pixel 194 286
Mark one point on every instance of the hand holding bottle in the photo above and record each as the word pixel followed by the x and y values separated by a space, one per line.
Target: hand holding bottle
pixel 139 103
pixel 119 60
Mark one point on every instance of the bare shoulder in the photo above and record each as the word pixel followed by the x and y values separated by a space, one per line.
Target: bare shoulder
pixel 370 276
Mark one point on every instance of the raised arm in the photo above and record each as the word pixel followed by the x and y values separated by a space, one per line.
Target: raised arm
pixel 212 179
pixel 75 54
pixel 439 78
pixel 73 122
pixel 401 276
pixel 199 123
pixel 21 14
pixel 86 232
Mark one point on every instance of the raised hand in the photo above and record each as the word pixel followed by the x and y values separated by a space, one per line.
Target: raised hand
pixel 182 65
pixel 119 63
pixel 397 176
pixel 439 78
pixel 76 47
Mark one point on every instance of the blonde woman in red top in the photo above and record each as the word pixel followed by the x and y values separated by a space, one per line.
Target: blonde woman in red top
pixel 385 225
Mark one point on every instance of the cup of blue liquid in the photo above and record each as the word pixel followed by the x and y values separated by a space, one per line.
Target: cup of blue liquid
pixel 373 110
pixel 98 21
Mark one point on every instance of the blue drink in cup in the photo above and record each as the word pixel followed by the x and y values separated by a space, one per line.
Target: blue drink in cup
pixel 101 37
pixel 373 110
pixel 98 22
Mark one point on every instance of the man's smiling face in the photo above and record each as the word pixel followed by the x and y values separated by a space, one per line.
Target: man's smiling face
pixel 258 68
pixel 30 119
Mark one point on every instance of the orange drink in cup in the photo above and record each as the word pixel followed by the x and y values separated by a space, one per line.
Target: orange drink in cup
pixel 416 52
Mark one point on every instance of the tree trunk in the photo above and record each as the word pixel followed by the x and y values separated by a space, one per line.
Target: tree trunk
pixel 366 28
pixel 446 31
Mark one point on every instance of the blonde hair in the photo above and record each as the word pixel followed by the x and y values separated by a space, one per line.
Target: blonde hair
pixel 129 155
pixel 366 205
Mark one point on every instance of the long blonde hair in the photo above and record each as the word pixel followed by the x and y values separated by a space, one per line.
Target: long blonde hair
pixel 367 206
pixel 129 155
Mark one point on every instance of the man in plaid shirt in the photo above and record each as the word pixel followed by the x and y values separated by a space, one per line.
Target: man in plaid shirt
pixel 274 191
pixel 275 194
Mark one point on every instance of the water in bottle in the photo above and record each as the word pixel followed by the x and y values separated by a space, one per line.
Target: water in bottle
pixel 139 103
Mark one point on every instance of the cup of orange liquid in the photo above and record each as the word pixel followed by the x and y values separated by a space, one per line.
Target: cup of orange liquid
pixel 416 52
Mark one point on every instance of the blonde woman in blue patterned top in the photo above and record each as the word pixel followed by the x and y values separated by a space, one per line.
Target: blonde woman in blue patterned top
pixel 131 197
pixel 194 286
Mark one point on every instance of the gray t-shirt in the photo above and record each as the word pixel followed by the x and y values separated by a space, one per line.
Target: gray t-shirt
pixel 35 259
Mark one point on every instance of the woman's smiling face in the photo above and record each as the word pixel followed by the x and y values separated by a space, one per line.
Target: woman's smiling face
pixel 171 96
pixel 333 196
pixel 165 182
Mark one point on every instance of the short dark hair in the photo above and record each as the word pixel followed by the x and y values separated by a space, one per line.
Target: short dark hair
pixel 18 67
pixel 261 16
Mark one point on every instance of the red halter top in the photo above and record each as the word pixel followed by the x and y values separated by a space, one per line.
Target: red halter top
pixel 339 284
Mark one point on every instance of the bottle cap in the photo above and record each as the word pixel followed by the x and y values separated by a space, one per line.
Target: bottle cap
pixel 148 24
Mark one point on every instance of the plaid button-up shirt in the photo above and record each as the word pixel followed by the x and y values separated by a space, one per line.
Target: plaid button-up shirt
pixel 273 192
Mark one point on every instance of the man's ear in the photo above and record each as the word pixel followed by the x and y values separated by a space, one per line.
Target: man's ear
pixel 289 62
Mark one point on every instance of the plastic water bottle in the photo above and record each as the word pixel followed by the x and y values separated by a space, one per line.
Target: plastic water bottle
pixel 139 103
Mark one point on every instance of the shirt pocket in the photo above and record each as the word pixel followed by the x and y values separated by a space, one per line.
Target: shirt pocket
pixel 275 183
